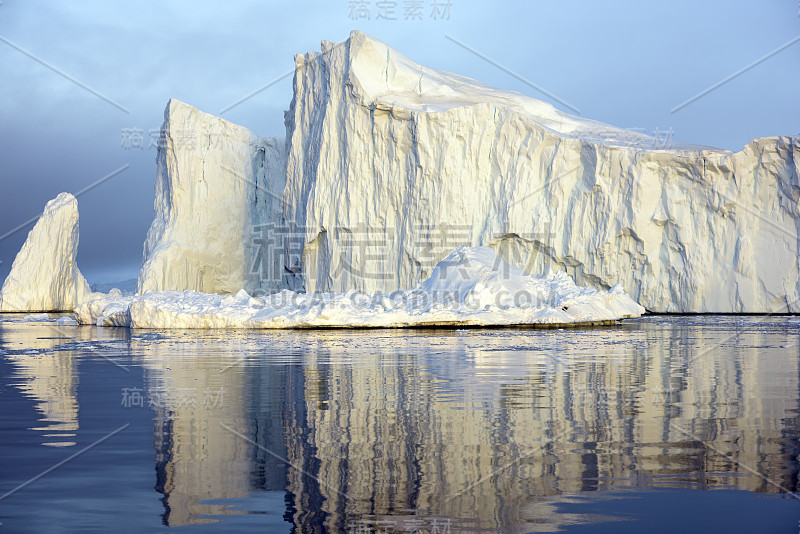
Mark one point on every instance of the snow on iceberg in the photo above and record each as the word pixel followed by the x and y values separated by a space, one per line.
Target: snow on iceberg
pixel 471 286
pixel 45 275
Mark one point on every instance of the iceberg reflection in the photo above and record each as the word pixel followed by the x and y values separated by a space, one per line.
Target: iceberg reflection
pixel 46 371
pixel 482 429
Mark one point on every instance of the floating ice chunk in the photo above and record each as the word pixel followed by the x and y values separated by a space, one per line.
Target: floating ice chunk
pixel 105 311
pixel 471 286
pixel 37 317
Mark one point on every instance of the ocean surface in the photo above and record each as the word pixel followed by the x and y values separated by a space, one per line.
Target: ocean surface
pixel 659 424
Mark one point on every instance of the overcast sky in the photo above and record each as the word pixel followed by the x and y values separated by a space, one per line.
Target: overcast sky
pixel 625 63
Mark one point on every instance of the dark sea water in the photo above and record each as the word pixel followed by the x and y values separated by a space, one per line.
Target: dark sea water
pixel 661 424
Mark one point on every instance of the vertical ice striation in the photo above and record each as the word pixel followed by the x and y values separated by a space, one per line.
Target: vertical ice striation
pixel 391 165
pixel 216 184
pixel 45 275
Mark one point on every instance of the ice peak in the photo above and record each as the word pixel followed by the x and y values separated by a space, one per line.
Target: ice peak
pixel 176 108
pixel 377 74
pixel 62 200
pixel 175 104
pixel 44 275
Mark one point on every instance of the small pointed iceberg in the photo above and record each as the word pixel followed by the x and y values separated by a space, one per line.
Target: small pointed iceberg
pixel 45 274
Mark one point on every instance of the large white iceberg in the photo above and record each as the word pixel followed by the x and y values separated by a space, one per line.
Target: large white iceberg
pixel 45 275
pixel 388 166
pixel 471 286
pixel 382 147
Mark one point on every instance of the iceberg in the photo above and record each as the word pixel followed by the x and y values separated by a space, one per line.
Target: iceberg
pixel 45 276
pixel 215 182
pixel 388 167
pixel 420 161
pixel 470 287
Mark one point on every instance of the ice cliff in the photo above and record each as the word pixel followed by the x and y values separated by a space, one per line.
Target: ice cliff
pixel 215 182
pixel 45 275
pixel 418 161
